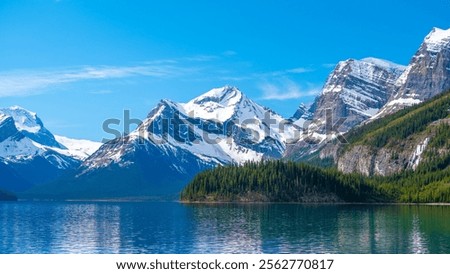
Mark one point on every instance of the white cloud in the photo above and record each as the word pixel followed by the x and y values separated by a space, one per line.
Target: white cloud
pixel 299 70
pixel 287 90
pixel 229 53
pixel 25 83
pixel 102 92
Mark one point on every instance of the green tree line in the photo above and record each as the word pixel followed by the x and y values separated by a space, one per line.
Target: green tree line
pixel 278 181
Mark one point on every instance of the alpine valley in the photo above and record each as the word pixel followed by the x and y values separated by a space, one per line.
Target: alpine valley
pixel 360 101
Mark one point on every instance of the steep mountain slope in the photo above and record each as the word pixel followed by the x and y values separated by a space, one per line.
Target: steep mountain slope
pixel 354 92
pixel 175 142
pixel 302 116
pixel 29 153
pixel 427 75
pixel 411 139
pixel 361 91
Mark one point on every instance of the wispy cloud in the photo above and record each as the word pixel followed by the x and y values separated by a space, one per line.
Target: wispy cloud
pixel 263 75
pixel 287 90
pixel 229 53
pixel 299 70
pixel 286 72
pixel 24 83
pixel 101 92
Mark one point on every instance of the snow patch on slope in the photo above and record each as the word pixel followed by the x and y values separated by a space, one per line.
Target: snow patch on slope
pixel 14 149
pixel 383 63
pixel 437 39
pixel 77 148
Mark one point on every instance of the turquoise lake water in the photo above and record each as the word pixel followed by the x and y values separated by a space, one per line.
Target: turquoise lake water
pixel 170 227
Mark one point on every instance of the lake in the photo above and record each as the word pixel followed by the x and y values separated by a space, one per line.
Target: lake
pixel 170 227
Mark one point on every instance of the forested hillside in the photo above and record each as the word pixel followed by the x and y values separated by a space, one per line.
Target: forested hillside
pixel 277 181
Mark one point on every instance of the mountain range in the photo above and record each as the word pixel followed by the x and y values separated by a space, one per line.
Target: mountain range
pixel 31 155
pixel 221 127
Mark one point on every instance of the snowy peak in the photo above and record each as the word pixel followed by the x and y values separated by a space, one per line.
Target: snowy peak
pixel 427 75
pixel 224 96
pixel 437 39
pixel 25 120
pixel 217 104
pixel 370 70
pixel 220 126
pixel 30 125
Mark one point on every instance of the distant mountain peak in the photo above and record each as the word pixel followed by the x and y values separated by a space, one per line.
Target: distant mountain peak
pixel 24 119
pixel 437 39
pixel 426 76
pixel 216 104
pixel 226 96
pixel 367 69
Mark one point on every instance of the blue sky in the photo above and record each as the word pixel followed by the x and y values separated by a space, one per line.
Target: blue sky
pixel 78 63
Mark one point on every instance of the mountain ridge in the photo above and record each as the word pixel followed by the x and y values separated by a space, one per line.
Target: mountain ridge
pixel 29 153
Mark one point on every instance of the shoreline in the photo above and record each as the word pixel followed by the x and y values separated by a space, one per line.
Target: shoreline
pixel 300 203
pixel 144 200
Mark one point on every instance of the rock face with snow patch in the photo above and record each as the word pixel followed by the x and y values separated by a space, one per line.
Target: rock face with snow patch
pixel 354 92
pixel 427 75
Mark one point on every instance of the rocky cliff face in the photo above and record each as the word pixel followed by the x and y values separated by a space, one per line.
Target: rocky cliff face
pixel 383 161
pixel 354 92
pixel 396 143
pixel 360 91
pixel 427 75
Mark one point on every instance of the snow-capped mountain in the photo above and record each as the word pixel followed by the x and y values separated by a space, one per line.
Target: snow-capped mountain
pixel 354 92
pixel 360 91
pixel 178 140
pixel 31 154
pixel 427 75
pixel 30 125
pixel 220 126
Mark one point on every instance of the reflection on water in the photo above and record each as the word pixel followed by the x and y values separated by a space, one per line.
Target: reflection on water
pixel 44 227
